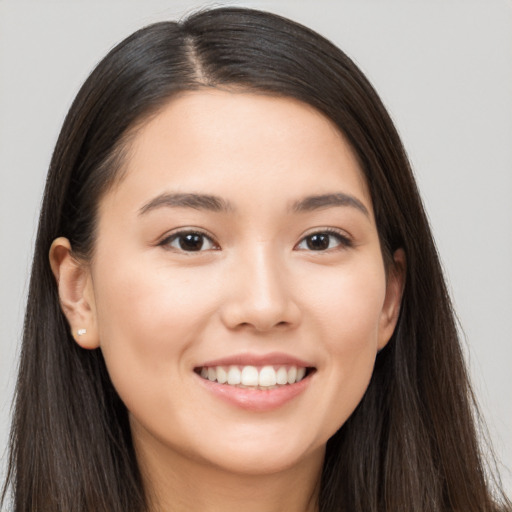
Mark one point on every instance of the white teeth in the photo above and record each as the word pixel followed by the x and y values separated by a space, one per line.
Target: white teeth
pixel 251 376
pixel 267 376
pixel 222 375
pixel 282 376
pixel 234 375
pixel 292 374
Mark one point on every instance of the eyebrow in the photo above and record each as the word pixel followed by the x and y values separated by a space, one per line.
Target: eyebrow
pixel 195 201
pixel 322 201
pixel 218 204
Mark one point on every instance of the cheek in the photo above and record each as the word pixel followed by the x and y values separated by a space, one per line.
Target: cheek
pixel 138 298
pixel 148 316
pixel 347 314
pixel 348 306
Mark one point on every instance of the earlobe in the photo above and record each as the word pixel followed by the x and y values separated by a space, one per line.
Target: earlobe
pixel 76 293
pixel 394 291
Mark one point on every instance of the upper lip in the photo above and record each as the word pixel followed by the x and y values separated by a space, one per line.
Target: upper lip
pixel 270 359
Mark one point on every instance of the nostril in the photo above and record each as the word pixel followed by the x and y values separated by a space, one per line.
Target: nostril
pixel 260 326
pixel 242 326
pixel 260 312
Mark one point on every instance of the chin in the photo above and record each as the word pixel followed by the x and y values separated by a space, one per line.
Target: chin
pixel 260 463
pixel 262 456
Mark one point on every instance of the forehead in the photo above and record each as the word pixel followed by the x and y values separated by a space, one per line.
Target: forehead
pixel 228 142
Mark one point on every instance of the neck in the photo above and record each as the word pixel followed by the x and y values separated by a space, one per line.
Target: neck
pixel 175 483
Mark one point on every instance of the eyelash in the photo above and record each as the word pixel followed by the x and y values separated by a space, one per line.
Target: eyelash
pixel 342 240
pixel 166 242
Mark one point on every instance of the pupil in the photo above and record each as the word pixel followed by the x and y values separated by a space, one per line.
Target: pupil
pixel 191 242
pixel 318 242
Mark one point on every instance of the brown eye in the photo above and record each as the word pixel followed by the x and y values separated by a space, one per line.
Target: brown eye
pixel 318 242
pixel 323 241
pixel 189 241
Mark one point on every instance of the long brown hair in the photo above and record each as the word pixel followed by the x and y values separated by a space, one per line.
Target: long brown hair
pixel 411 444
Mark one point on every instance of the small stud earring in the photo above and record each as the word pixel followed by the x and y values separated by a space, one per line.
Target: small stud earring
pixel 80 332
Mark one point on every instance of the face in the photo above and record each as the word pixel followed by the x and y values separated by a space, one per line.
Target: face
pixel 237 289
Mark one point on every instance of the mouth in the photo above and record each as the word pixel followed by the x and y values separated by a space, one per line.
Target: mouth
pixel 265 377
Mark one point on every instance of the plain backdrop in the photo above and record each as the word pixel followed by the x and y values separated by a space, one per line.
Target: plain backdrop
pixel 442 67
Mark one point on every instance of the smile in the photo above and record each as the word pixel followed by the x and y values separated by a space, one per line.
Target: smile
pixel 255 377
pixel 256 382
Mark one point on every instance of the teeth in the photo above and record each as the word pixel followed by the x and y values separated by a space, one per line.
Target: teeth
pixel 222 375
pixel 251 376
pixel 267 376
pixel 234 375
pixel 282 376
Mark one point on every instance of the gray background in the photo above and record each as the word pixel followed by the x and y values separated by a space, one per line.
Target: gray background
pixel 443 69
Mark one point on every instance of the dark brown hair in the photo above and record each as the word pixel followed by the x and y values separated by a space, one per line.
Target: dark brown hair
pixel 411 444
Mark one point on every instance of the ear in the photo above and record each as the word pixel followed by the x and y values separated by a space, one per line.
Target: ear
pixel 395 283
pixel 76 293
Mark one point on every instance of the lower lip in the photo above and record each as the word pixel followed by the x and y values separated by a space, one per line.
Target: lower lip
pixel 257 400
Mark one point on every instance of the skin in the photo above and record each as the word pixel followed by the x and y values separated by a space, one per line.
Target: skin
pixel 157 312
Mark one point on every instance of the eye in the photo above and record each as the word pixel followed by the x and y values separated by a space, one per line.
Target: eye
pixel 323 241
pixel 189 241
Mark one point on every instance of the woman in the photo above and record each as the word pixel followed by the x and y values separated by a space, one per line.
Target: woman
pixel 235 300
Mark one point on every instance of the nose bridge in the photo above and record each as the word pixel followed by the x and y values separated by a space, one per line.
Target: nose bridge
pixel 261 295
pixel 267 277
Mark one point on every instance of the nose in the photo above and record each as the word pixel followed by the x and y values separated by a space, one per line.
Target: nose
pixel 260 294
